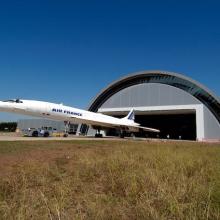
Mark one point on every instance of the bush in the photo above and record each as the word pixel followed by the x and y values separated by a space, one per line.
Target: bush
pixel 8 126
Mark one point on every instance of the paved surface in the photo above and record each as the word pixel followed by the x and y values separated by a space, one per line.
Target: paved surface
pixel 18 137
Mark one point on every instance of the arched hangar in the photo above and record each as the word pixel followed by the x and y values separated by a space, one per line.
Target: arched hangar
pixel 177 105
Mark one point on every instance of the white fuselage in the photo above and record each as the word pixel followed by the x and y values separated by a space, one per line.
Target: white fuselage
pixel 61 112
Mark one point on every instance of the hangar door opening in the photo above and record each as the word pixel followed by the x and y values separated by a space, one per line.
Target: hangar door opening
pixel 172 126
pixel 178 125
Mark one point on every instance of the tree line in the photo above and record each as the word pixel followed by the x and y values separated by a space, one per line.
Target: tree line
pixel 8 126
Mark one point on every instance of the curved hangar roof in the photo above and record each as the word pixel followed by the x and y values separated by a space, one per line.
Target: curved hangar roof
pixel 200 92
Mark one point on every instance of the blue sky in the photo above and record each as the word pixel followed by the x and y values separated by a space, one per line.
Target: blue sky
pixel 67 51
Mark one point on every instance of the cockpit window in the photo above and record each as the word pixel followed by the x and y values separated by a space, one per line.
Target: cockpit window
pixel 18 101
pixel 13 101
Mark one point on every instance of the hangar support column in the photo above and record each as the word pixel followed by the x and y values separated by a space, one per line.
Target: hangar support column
pixel 200 131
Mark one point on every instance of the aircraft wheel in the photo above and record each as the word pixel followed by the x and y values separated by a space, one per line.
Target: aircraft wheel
pixel 122 135
pixel 35 134
pixel 132 135
pixel 46 134
pixel 98 135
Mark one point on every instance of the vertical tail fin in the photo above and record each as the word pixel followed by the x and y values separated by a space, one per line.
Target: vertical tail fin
pixel 130 116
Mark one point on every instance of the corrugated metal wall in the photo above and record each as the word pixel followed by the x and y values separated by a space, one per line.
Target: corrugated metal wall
pixel 212 127
pixel 38 123
pixel 150 94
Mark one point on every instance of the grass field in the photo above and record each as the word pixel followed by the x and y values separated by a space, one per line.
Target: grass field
pixel 109 180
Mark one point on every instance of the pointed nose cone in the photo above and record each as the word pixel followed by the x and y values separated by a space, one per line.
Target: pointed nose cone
pixel 4 106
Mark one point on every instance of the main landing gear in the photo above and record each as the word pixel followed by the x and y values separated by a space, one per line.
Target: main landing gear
pixel 66 124
pixel 122 133
pixel 98 134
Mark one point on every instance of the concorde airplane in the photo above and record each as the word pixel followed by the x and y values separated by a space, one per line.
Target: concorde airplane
pixel 61 112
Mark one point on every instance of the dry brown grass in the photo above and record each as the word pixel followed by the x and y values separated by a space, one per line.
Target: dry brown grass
pixel 109 180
